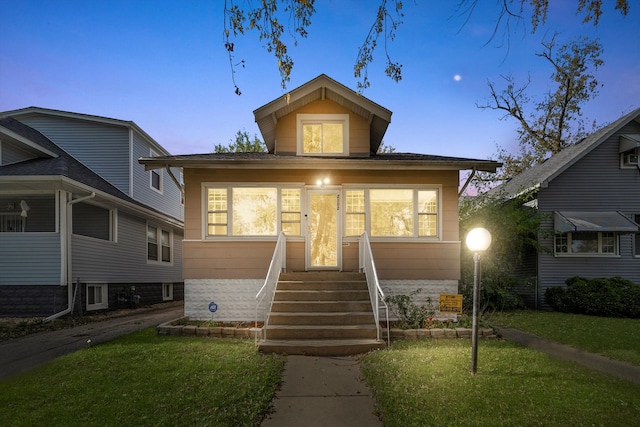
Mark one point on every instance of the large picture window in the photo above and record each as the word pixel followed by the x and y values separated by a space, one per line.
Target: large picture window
pixel 326 134
pixel 94 221
pixel 392 212
pixel 253 211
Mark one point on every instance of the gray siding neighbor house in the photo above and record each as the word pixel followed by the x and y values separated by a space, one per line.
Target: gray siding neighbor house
pixel 588 196
pixel 82 225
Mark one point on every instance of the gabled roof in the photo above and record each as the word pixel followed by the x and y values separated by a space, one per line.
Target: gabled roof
pixel 399 161
pixel 322 87
pixel 58 164
pixel 34 111
pixel 542 174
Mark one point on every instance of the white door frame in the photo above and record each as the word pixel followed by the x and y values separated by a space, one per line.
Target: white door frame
pixel 338 230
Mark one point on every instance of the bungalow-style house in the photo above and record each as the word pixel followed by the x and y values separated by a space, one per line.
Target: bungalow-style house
pixel 82 225
pixel 321 186
pixel 588 198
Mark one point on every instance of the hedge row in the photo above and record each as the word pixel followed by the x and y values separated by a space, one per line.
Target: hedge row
pixel 614 297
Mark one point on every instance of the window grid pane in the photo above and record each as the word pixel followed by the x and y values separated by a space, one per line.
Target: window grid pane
pixel 166 246
pixel 355 210
pixel 152 243
pixel 562 244
pixel 290 212
pixel 608 243
pixel 217 215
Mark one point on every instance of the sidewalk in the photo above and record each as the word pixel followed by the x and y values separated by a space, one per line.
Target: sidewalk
pixel 620 369
pixel 323 391
pixel 22 354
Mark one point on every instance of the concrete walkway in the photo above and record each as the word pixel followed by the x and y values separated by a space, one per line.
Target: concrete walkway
pixel 604 364
pixel 323 391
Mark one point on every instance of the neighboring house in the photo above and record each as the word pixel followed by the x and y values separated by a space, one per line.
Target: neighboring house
pixel 588 196
pixel 323 184
pixel 76 208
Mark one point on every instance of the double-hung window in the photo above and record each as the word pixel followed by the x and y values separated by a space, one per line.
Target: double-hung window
pixel 323 134
pixel 158 244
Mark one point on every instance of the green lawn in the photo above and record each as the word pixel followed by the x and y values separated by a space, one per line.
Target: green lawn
pixel 428 383
pixel 613 337
pixel 147 380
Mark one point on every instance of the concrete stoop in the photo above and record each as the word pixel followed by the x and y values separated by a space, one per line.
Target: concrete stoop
pixel 321 314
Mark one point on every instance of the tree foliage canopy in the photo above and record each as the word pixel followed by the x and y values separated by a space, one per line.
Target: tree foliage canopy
pixel 549 125
pixel 273 20
pixel 242 144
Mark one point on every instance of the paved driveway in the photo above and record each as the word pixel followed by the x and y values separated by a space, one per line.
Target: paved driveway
pixel 22 354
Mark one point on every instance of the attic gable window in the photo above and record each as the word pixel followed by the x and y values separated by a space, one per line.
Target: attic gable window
pixel 323 134
pixel 629 150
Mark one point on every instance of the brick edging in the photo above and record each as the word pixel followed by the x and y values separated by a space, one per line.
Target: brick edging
pixel 169 328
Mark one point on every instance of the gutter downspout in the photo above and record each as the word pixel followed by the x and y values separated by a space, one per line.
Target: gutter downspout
pixel 67 249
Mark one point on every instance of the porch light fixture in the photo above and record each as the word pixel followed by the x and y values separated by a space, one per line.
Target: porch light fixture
pixel 323 182
pixel 478 240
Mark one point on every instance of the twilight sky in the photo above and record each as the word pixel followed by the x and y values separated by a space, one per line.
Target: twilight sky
pixel 162 64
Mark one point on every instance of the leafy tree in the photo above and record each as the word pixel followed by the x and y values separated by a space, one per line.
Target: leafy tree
pixel 513 227
pixel 242 144
pixel 385 149
pixel 551 124
pixel 270 19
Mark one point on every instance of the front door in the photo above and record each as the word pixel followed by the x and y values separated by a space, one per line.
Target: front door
pixel 323 232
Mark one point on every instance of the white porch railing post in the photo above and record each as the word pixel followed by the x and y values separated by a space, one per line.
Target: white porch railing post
pixel 368 267
pixel 277 265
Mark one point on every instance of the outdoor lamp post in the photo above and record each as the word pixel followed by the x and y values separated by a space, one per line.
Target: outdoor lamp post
pixel 478 240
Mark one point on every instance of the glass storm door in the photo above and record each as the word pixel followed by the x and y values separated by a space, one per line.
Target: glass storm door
pixel 323 248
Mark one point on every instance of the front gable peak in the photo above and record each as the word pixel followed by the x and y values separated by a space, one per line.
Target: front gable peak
pixel 307 98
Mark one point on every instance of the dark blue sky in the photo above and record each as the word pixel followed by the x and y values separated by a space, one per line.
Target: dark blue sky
pixel 162 64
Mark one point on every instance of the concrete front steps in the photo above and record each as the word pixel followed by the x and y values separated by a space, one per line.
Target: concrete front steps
pixel 321 314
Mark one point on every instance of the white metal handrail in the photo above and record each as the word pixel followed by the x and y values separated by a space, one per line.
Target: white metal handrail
pixel 278 264
pixel 368 267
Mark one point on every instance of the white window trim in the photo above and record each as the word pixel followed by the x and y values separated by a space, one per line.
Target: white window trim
pixel 635 247
pixel 319 119
pixel 159 244
pixel 169 287
pixel 600 254
pixel 104 288
pixel 624 164
pixel 415 188
pixel 160 175
pixel 113 226
pixel 229 186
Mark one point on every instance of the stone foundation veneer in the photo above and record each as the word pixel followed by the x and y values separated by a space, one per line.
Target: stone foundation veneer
pixel 236 297
pixel 428 289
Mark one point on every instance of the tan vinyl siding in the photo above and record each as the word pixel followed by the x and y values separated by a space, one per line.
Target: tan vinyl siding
pixel 230 259
pixel 286 132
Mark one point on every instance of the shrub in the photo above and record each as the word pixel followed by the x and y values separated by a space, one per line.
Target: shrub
pixel 409 314
pixel 611 297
